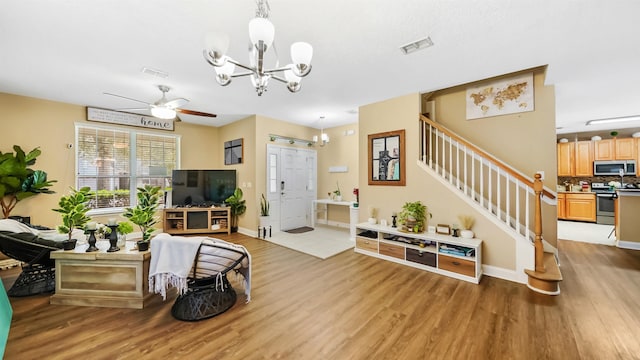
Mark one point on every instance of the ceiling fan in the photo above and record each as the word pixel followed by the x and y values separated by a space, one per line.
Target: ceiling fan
pixel 163 108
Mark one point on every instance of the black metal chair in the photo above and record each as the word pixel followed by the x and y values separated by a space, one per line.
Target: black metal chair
pixel 209 291
pixel 38 270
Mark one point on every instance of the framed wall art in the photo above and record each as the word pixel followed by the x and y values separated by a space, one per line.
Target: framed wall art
pixel 387 158
pixel 233 152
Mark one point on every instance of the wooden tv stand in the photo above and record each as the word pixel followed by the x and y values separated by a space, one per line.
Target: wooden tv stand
pixel 197 220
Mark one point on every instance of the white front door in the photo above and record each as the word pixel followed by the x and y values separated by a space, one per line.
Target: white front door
pixel 296 184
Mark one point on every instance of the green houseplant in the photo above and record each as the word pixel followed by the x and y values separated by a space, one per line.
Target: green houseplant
pixel 237 206
pixel 264 212
pixel 413 216
pixel 144 213
pixel 74 208
pixel 18 181
pixel 264 206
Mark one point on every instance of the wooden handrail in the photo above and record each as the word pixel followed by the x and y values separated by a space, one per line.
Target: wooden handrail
pixel 489 157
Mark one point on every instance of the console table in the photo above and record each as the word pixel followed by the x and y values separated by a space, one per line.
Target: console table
pixel 325 209
pixel 117 279
pixel 353 214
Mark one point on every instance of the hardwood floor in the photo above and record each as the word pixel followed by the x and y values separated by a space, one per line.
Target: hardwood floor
pixel 352 306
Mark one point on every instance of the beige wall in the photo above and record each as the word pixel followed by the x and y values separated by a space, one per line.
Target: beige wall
pixel 527 141
pixel 246 171
pixel 50 125
pixel 342 150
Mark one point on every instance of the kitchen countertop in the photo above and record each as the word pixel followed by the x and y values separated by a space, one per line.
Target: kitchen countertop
pixel 628 192
pixel 576 192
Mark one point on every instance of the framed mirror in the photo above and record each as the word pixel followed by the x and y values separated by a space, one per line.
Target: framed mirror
pixel 233 152
pixel 387 158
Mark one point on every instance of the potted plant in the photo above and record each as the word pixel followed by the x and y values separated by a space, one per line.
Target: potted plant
pixel 144 213
pixel 124 228
pixel 18 181
pixel 237 206
pixel 466 222
pixel 413 216
pixel 73 208
pixel 264 212
pixel 337 193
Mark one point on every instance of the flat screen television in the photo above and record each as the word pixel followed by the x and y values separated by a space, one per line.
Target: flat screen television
pixel 201 188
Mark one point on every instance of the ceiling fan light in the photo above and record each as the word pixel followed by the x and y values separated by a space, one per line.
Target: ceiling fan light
pixel 163 112
pixel 261 29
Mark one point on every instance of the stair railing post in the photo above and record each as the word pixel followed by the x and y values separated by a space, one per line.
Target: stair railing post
pixel 539 247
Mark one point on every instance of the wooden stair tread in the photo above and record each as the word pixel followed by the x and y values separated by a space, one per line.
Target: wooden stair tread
pixel 553 270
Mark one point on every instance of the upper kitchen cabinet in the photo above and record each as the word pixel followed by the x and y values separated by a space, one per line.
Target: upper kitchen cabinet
pixel 625 149
pixel 566 154
pixel 584 158
pixel 575 158
pixel 615 149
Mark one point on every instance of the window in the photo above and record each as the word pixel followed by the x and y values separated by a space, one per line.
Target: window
pixel 114 162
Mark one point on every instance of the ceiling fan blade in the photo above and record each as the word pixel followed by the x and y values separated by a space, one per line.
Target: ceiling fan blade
pixel 197 113
pixel 128 98
pixel 176 103
pixel 134 109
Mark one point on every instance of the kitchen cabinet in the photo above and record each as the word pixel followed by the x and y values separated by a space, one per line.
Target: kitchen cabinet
pixel 566 154
pixel 625 149
pixel 615 149
pixel 562 213
pixel 580 207
pixel 575 158
pixel 583 158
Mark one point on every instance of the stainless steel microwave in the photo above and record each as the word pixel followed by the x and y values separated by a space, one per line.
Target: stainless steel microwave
pixel 613 167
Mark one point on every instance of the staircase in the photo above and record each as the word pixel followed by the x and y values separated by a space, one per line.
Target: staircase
pixel 508 198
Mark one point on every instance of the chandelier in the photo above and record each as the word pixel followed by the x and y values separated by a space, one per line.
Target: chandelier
pixel 324 137
pixel 261 33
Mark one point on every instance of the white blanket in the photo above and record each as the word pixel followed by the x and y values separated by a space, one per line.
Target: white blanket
pixel 171 259
pixel 244 268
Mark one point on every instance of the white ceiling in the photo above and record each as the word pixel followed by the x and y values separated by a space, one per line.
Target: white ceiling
pixel 75 50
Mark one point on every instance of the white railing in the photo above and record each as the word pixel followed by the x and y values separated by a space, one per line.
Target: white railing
pixel 504 192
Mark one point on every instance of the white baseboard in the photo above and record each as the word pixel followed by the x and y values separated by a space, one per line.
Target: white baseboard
pixel 502 273
pixel 632 245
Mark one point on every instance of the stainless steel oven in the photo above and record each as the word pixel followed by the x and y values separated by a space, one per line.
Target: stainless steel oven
pixel 605 210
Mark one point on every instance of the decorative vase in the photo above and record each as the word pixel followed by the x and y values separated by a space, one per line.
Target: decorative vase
pixel 338 197
pixel 113 239
pixel 122 240
pixel 467 234
pixel 92 241
pixel 372 221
